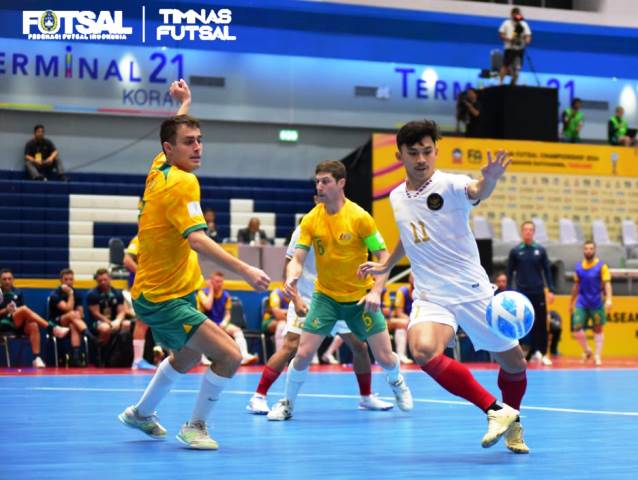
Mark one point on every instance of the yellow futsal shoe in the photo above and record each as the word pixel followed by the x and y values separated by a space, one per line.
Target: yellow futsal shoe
pixel 149 425
pixel 514 439
pixel 498 422
pixel 195 435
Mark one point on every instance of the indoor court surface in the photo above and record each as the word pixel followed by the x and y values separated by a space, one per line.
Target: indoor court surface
pixel 579 423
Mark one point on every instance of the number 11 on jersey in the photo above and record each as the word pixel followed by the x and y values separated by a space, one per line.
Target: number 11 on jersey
pixel 419 232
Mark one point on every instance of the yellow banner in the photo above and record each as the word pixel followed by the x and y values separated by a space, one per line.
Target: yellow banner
pixel 546 180
pixel 621 330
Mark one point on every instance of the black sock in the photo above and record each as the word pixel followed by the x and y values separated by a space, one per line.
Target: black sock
pixel 495 406
pixel 89 334
pixel 75 354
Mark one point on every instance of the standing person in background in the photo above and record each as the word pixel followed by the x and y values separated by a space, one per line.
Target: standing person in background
pixel 573 121
pixel 591 278
pixel 516 35
pixel 529 266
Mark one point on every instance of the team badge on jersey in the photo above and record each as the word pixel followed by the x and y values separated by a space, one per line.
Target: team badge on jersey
pixel 435 201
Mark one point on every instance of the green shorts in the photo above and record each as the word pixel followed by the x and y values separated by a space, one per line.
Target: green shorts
pixel 172 322
pixel 583 315
pixel 324 313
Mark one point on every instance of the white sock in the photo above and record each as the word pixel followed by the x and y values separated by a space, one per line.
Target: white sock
pixel 294 381
pixel 138 350
pixel 401 341
pixel 582 340
pixel 240 340
pixel 394 373
pixel 334 346
pixel 159 387
pixel 279 335
pixel 212 385
pixel 598 339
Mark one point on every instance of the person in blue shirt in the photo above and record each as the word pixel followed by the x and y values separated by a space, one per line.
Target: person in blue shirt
pixel 528 267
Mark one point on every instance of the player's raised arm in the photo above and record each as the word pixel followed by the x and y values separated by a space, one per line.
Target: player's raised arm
pixel 180 91
pixel 496 165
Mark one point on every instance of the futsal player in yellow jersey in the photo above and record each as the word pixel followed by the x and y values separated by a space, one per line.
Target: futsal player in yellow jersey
pixel 172 231
pixel 341 233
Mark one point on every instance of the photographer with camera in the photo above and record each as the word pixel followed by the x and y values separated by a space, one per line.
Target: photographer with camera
pixel 516 35
pixel 468 111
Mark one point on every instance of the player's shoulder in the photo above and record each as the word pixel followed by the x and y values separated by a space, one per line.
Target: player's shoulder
pixel 398 192
pixel 355 210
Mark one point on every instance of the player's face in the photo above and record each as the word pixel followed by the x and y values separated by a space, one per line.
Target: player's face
pixel 187 151
pixel 501 282
pixel 419 160
pixel 527 232
pixel 6 281
pixel 67 280
pixel 589 250
pixel 328 189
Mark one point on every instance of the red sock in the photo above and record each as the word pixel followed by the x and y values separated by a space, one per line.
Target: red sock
pixel 268 377
pixel 513 386
pixel 456 378
pixel 365 384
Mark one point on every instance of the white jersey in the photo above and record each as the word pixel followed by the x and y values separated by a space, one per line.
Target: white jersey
pixel 508 29
pixel 306 284
pixel 435 233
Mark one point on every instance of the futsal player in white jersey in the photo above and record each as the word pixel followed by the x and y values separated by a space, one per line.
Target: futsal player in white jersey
pixel 451 288
pixel 297 309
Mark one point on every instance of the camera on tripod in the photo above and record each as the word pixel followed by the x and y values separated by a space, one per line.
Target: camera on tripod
pixel 518 40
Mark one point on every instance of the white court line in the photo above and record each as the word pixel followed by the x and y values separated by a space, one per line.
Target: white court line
pixel 324 395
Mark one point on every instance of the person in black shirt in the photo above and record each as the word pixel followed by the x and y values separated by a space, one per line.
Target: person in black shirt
pixel 529 265
pixel 17 318
pixel 42 161
pixel 468 111
pixel 65 308
pixel 106 307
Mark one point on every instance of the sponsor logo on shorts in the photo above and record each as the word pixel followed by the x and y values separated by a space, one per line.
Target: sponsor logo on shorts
pixel 187 328
pixel 367 321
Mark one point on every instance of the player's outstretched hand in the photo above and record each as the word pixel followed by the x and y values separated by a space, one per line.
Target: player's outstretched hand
pixel 496 164
pixel 372 302
pixel 371 268
pixel 257 279
pixel 179 91
pixel 290 288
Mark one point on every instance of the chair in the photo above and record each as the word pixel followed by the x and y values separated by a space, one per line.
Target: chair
pixel 541 231
pixel 568 233
pixel 509 230
pixel 482 227
pixel 629 233
pixel 238 318
pixel 600 233
pixel 4 343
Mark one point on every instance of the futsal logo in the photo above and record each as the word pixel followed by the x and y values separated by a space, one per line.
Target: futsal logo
pixel 74 25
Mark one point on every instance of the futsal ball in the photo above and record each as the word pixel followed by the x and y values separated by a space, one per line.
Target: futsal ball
pixel 510 315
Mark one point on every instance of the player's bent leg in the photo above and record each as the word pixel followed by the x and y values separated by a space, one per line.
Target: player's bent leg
pixel 25 314
pixel 389 361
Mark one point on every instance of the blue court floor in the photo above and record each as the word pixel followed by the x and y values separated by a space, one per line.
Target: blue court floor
pixel 579 424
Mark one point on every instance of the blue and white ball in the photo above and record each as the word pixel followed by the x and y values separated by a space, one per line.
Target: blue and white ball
pixel 510 315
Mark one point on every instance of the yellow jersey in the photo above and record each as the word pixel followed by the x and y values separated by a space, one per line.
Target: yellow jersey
pixel 168 268
pixel 134 246
pixel 340 243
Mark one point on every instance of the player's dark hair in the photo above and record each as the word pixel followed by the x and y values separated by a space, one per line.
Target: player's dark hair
pixel 589 242
pixel 6 270
pixel 38 126
pixel 413 132
pixel 528 222
pixel 168 130
pixel 100 271
pixel 333 167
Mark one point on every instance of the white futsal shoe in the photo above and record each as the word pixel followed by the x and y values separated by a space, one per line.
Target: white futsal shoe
pixel 149 425
pixel 372 402
pixel 282 410
pixel 402 394
pixel 498 422
pixel 258 405
pixel 514 439
pixel 195 435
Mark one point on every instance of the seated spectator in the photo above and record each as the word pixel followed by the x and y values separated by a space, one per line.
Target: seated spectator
pixel 211 227
pixel 106 307
pixel 468 111
pixel 617 130
pixel 141 329
pixel 18 319
pixel 216 303
pixel 572 119
pixel 274 321
pixel 252 234
pixel 399 318
pixel 65 308
pixel 500 280
pixel 42 161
